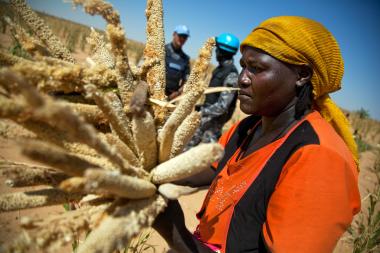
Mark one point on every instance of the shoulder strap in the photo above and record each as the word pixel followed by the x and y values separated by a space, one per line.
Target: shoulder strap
pixel 236 140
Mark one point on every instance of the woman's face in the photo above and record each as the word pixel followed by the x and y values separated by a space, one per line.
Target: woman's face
pixel 266 84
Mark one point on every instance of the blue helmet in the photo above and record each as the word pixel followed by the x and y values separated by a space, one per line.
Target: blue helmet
pixel 182 30
pixel 228 42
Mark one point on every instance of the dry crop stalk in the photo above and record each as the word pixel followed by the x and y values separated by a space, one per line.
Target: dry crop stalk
pixel 90 113
pixel 123 149
pixel 65 119
pixel 9 108
pixel 100 53
pixel 69 78
pixel 112 108
pixel 21 175
pixel 124 224
pixel 120 185
pixel 184 133
pixel 38 198
pixel 43 31
pixel 155 49
pixel 55 157
pixel 116 36
pixel 144 132
pixel 29 43
pixel 57 230
pixel 118 42
pixel 185 165
pixel 7 59
pixel 47 133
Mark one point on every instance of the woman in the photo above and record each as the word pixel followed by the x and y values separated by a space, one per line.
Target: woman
pixel 288 179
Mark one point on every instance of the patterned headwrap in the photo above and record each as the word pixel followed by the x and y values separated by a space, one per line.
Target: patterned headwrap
pixel 300 41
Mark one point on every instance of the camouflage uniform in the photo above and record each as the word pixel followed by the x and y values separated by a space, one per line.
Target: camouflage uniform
pixel 218 107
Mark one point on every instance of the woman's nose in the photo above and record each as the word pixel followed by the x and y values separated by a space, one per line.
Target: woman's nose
pixel 244 80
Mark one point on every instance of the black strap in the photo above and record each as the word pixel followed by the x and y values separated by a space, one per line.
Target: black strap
pixel 236 140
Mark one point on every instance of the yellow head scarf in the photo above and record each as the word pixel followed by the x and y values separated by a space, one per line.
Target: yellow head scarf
pixel 300 41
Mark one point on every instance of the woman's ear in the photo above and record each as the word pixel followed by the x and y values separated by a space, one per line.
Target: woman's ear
pixel 304 75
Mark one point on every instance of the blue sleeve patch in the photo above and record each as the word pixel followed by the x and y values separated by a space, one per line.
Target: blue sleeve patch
pixel 175 66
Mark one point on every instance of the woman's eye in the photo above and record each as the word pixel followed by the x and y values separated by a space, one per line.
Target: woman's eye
pixel 254 69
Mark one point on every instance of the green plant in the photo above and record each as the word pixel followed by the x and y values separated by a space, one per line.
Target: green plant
pixel 139 244
pixel 362 145
pixel 17 50
pixel 74 244
pixel 363 113
pixel 365 234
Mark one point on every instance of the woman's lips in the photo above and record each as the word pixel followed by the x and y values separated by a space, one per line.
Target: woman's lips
pixel 243 95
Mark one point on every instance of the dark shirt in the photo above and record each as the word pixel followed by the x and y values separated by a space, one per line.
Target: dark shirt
pixel 177 68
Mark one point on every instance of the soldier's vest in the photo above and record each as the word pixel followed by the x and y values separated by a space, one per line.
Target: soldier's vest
pixel 176 63
pixel 218 76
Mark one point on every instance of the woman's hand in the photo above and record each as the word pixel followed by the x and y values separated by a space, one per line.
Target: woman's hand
pixel 171 226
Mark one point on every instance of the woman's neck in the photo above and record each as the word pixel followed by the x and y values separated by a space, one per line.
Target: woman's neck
pixel 279 122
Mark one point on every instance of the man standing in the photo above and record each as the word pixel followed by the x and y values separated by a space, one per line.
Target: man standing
pixel 219 107
pixel 177 62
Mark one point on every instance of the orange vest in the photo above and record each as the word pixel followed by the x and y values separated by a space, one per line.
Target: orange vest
pixel 312 163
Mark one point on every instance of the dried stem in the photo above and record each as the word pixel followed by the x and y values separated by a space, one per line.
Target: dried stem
pixel 112 108
pixel 7 59
pixel 199 70
pixel 184 165
pixel 120 185
pixel 100 53
pixel 91 113
pixel 38 198
pixel 146 66
pixel 55 231
pixel 118 42
pixel 21 175
pixel 56 157
pixel 184 133
pixel 99 7
pixel 33 46
pixel 42 31
pixel 69 78
pixel 125 223
pixel 155 49
pixel 144 132
pixel 123 150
